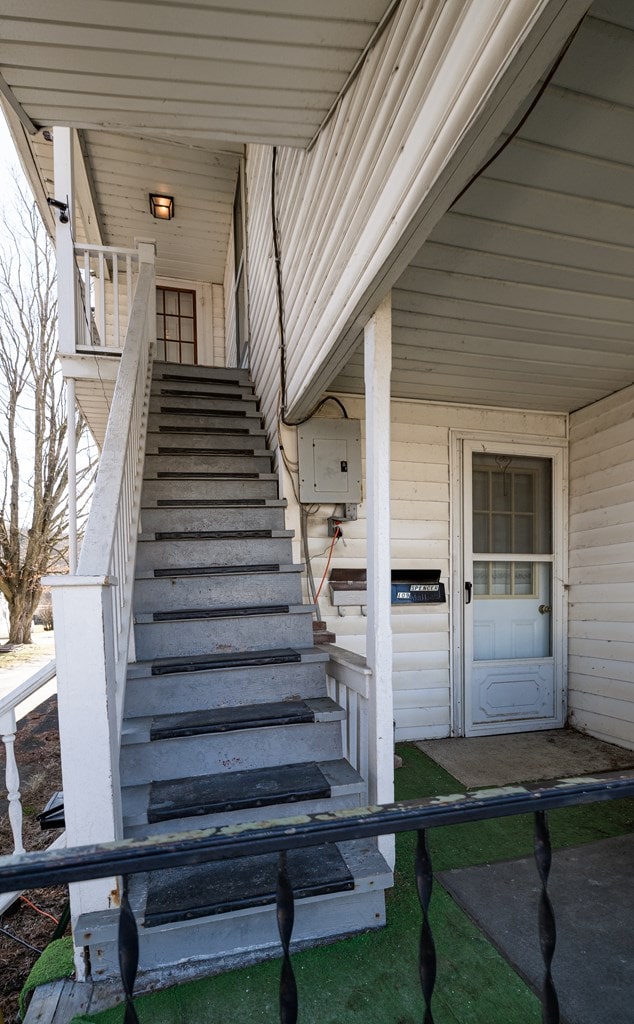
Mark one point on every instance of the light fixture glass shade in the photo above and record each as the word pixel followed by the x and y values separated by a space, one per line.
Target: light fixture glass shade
pixel 161 207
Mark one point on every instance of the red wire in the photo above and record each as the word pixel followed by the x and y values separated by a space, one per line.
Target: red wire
pixel 335 535
pixel 44 913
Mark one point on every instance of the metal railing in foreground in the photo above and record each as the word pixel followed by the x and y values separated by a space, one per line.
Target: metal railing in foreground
pixel 167 851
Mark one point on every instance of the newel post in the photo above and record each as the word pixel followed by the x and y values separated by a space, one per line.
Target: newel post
pixel 88 724
pixel 378 369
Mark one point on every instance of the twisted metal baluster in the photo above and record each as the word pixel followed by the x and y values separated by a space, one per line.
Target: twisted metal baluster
pixel 427 949
pixel 285 903
pixel 546 917
pixel 128 954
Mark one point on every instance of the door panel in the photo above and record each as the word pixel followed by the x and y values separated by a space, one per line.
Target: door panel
pixel 176 340
pixel 511 680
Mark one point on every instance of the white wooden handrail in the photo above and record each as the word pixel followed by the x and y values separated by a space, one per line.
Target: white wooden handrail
pixel 24 690
pixel 93 607
pixel 8 729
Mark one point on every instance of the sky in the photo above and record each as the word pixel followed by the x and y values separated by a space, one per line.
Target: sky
pixel 8 158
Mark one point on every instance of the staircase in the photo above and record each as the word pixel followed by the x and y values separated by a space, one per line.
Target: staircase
pixel 227 716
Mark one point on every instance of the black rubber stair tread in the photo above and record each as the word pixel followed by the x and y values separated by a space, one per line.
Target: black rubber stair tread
pixel 184 614
pixel 201 379
pixel 240 431
pixel 188 475
pixel 216 570
pixel 208 502
pixel 183 893
pixel 232 659
pixel 215 395
pixel 214 535
pixel 231 791
pixel 214 720
pixel 229 453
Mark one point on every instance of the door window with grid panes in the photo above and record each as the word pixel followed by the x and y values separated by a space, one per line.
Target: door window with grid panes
pixel 511 515
pixel 176 326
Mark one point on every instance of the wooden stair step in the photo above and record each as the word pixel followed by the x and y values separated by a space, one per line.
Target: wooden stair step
pixel 203 890
pixel 230 791
pixel 232 659
pixel 247 716
pixel 228 413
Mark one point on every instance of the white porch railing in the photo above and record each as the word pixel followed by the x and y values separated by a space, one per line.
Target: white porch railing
pixel 34 686
pixel 105 284
pixel 348 678
pixel 93 608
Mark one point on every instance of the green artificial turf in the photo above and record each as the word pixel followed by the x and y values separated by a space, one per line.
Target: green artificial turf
pixel 373 978
pixel 55 962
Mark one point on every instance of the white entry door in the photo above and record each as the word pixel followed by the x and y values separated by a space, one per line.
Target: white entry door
pixel 512 675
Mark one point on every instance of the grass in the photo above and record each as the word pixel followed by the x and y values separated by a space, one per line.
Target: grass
pixel 372 978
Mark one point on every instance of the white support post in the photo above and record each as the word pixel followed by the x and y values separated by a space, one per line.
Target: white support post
pixel 66 269
pixel 89 732
pixel 378 369
pixel 72 476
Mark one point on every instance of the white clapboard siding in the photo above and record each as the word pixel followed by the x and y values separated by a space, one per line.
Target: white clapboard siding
pixel 601 591
pixel 421 531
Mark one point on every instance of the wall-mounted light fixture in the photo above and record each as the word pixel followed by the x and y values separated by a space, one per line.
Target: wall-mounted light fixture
pixel 161 207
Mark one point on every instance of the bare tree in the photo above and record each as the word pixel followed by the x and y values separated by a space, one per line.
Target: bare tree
pixel 33 420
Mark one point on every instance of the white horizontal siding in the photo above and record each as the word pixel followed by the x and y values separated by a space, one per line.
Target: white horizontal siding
pixel 421 531
pixel 601 591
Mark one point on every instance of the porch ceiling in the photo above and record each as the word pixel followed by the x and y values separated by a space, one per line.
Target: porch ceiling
pixel 166 95
pixel 124 170
pixel 523 294
pixel 204 71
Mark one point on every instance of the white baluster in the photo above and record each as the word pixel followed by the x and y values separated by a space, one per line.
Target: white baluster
pixel 12 776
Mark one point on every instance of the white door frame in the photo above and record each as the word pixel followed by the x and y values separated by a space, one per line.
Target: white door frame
pixel 529 445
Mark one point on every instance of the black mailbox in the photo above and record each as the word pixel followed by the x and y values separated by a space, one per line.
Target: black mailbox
pixel 417 586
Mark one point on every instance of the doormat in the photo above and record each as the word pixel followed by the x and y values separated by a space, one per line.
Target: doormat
pixel 525 757
pixel 592 891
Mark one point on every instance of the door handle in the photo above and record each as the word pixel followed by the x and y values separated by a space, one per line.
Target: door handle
pixel 468 589
pixel 544 609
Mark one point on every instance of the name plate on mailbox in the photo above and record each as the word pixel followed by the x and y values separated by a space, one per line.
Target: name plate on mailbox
pixel 417 586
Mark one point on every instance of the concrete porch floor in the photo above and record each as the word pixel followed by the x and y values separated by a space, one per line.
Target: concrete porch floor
pixel 525 757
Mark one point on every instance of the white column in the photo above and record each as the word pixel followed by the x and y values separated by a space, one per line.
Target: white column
pixel 378 368
pixel 66 270
pixel 89 733
pixel 72 476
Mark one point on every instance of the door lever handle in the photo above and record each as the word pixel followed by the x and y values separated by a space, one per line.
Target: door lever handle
pixel 468 589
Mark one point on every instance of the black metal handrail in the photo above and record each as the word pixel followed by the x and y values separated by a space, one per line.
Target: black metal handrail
pixel 63 866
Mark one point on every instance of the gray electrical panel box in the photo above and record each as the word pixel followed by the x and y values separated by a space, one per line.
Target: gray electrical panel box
pixel 329 453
